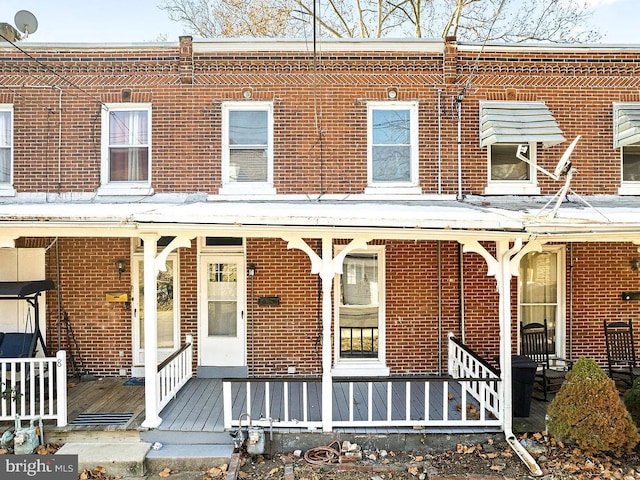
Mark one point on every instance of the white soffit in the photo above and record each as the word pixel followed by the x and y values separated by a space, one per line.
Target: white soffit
pixel 518 122
pixel 626 124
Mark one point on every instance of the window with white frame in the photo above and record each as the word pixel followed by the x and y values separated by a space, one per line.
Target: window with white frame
pixel 508 172
pixel 6 145
pixel 541 293
pixel 360 314
pixel 512 132
pixel 126 147
pixel 247 147
pixel 631 164
pixel 392 146
pixel 626 137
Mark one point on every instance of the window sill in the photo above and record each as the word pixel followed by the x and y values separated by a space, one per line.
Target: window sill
pixel 7 191
pixel 247 189
pixel 387 190
pixel 360 368
pixel 125 190
pixel 629 189
pixel 516 189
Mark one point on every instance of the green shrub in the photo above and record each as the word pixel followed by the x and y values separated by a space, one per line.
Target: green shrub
pixel 632 401
pixel 588 410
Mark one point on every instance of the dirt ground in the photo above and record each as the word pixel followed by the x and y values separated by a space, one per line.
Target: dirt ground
pixel 490 460
pixel 485 460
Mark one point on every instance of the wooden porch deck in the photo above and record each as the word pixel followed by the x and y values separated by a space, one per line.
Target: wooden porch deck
pixel 198 407
pixel 109 405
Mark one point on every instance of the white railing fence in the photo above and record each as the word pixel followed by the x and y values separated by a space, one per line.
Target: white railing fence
pixel 174 373
pixel 466 397
pixel 464 363
pixel 272 402
pixel 34 387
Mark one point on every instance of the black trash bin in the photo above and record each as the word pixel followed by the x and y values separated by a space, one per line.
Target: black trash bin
pixel 523 374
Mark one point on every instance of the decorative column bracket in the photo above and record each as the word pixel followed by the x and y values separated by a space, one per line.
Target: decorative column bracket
pixel 181 241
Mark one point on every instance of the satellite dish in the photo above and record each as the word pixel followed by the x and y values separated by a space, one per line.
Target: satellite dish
pixel 564 164
pixel 26 22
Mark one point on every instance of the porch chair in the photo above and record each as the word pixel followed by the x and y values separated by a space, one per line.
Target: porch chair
pixel 621 353
pixel 534 343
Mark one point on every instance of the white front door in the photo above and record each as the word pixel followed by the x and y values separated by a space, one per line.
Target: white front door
pixel 222 330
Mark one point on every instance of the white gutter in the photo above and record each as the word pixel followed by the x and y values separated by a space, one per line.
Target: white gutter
pixel 504 255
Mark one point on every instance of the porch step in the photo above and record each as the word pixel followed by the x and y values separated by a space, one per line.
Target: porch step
pixel 187 457
pixel 118 459
pixel 175 437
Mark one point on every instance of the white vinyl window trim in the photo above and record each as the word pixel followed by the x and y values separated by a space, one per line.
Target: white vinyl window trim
pixel 134 187
pixel 410 185
pixel 629 175
pixel 513 187
pixel 345 367
pixel 230 185
pixel 6 150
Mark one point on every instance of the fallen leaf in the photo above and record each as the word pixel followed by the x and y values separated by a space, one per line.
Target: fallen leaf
pixel 166 471
pixel 413 471
pixel 215 472
pixel 242 474
pixel 273 470
pixel 496 468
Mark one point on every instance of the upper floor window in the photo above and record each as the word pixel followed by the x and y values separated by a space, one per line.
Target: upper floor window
pixel 393 147
pixel 6 145
pixel 247 147
pixel 626 137
pixel 511 132
pixel 508 170
pixel 126 148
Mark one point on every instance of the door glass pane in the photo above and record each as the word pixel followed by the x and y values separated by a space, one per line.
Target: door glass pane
pixel 222 298
pixel 359 306
pixel 165 312
pixel 539 291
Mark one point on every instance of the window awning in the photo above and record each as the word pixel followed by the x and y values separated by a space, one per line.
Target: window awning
pixel 626 124
pixel 518 122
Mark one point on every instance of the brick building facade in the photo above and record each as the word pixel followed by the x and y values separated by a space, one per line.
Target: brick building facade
pixel 244 150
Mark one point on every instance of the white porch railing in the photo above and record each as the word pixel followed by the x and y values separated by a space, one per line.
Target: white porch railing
pixel 34 387
pixel 174 373
pixel 464 363
pixel 468 397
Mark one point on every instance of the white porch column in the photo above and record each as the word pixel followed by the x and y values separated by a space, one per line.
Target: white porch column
pixel 504 267
pixel 152 419
pixel 327 267
pixel 326 274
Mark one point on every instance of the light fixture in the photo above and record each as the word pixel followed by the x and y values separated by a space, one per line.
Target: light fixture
pixel 251 269
pixel 247 93
pixel 121 266
pixel 392 93
pixel 635 264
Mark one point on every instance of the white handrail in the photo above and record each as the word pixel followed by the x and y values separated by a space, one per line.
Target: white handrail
pixel 175 373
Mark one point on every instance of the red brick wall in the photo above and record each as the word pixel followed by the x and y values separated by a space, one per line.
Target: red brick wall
pixel 102 329
pixel 320 119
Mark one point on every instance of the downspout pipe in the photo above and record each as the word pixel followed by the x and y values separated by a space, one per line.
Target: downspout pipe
pixel 459 100
pixel 504 255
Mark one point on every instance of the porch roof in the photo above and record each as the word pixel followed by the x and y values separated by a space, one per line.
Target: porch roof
pixel 479 216
pixel 203 215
